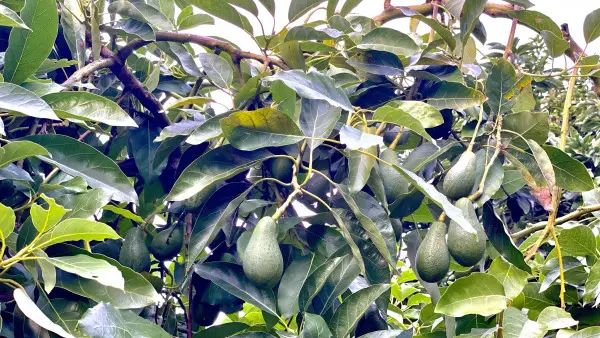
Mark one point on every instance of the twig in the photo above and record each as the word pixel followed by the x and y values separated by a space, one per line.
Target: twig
pixel 89 69
pixel 541 225
pixel 511 38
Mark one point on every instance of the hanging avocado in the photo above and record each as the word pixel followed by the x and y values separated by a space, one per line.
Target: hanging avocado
pixel 433 259
pixel 466 248
pixel 167 243
pixel 460 179
pixel 263 262
pixel 281 168
pixel 394 183
pixel 134 253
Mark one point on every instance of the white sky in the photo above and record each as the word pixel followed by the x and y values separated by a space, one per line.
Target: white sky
pixel 572 12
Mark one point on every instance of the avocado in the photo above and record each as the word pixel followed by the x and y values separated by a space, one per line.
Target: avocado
pixel 397 226
pixel 433 259
pixel 466 248
pixel 134 253
pixel 460 179
pixel 372 321
pixel 263 262
pixel 167 243
pixel 281 168
pixel 203 314
pixel 394 183
pixel 194 203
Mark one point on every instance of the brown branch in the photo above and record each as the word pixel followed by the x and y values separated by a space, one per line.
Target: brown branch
pixel 575 52
pixel 581 211
pixel 89 69
pixel 135 87
pixel 511 38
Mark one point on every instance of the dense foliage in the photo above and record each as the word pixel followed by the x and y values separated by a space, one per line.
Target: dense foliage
pixel 362 181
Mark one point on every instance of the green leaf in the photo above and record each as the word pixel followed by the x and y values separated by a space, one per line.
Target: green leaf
pixel 265 127
pixel 389 40
pixel 313 85
pixel 144 149
pixel 269 5
pixel 194 20
pixel 167 7
pixel 18 150
pixel 223 10
pixel 216 211
pixel 590 332
pixel 528 125
pixel 48 270
pixel 377 62
pixel 317 119
pixel 45 220
pixel 124 212
pixel 207 131
pixel 499 87
pixel 315 327
pixel 104 321
pixel 339 280
pixel 500 239
pixel 18 99
pixel 359 167
pixel 591 293
pixel 556 44
pixel 11 19
pixel 27 49
pixel 342 217
pixel 183 54
pixel 231 278
pixel 84 205
pixel 214 166
pixel 453 95
pixel 512 278
pixel 32 311
pixel 291 284
pixel 315 281
pixel 536 21
pixel 389 334
pixel 352 309
pixel 300 7
pixel 478 293
pixel 374 221
pixel 570 174
pixel 128 27
pixel 72 22
pixel 7 221
pixel 471 11
pixel 543 164
pixel 555 318
pixel 355 139
pixel 90 268
pixel 400 116
pixel 439 28
pixel 142 12
pixel 189 101
pixel 495 175
pixel 591 26
pixel 89 107
pixel 221 331
pixel 217 69
pixel 79 159
pixel 137 293
pixel 516 325
pixel 578 241
pixel 76 229
pixel 305 33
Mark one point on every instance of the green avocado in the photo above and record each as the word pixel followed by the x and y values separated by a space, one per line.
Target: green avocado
pixel 433 259
pixel 134 253
pixel 203 314
pixel 263 262
pixel 167 243
pixel 466 248
pixel 460 179
pixel 281 168
pixel 394 183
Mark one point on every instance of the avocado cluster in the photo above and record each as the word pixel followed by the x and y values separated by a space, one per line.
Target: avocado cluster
pixel 135 253
pixel 467 249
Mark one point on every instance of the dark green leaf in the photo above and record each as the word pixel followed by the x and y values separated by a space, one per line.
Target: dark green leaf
pixel 315 282
pixel 471 11
pixel 300 7
pixel 223 10
pixel 144 150
pixel 499 87
pixel 18 99
pixel 528 125
pixel 291 284
pixel 348 314
pixel 315 327
pixel 578 241
pixel 18 150
pixel 104 321
pixel 570 173
pixel 317 119
pixel 231 278
pixel 30 309
pixel 389 40
pixel 217 69
pixel 591 26
pixel 452 95
pixel 377 62
pixel 89 107
pixel 79 159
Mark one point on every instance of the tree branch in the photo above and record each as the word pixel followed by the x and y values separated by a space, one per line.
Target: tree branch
pixel 541 225
pixel 89 69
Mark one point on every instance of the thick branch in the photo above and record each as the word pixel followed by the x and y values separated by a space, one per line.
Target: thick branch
pixel 541 225
pixel 211 43
pixel 133 85
pixel 89 69
pixel 575 52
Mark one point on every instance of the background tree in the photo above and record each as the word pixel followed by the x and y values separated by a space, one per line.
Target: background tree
pixel 367 182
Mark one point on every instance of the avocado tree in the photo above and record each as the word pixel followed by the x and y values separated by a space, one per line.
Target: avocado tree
pixel 357 181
